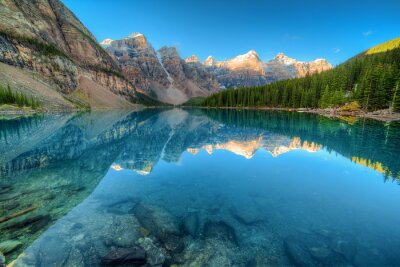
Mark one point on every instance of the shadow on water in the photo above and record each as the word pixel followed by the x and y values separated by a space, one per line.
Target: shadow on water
pixel 197 188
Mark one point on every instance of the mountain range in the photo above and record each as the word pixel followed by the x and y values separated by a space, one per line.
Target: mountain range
pixel 47 55
pixel 164 75
pixel 368 81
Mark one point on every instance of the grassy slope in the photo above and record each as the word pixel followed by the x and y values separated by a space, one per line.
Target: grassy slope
pixel 386 46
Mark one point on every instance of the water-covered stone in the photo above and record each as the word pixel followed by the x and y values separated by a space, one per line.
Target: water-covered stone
pixel 296 253
pixel 134 256
pixel 369 257
pixel 220 230
pixel 2 260
pixel 247 216
pixel 54 251
pixel 312 250
pixel 8 196
pixel 191 224
pixel 346 248
pixel 161 224
pixel 9 246
pixel 320 253
pixel 156 256
pixel 5 189
pixel 35 222
pixel 122 207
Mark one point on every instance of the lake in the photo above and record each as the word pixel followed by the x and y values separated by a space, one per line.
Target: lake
pixel 199 187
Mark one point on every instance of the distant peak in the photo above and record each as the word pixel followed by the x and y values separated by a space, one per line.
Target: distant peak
pixel 249 56
pixel 285 59
pixel 135 34
pixel 252 52
pixel 209 61
pixel 280 55
pixel 193 59
pixel 107 42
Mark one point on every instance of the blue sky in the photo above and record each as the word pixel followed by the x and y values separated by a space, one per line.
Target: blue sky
pixel 304 30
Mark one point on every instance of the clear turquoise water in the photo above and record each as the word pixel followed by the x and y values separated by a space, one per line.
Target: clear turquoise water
pixel 200 188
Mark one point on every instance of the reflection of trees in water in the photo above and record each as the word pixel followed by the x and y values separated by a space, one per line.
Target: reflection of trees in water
pixel 61 159
pixel 372 141
pixel 14 126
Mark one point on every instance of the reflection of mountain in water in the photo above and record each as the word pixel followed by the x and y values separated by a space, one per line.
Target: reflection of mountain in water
pixel 372 143
pixel 49 164
pixel 58 163
pixel 275 145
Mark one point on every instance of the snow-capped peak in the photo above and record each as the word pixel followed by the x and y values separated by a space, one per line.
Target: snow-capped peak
pixel 252 53
pixel 285 59
pixel 135 34
pixel 249 55
pixel 193 59
pixel 209 61
pixel 107 42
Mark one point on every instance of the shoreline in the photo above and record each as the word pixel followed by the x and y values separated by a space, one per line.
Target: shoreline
pixel 380 115
pixel 30 112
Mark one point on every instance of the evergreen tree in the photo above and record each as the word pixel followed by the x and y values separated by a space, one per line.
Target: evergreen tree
pixel 396 98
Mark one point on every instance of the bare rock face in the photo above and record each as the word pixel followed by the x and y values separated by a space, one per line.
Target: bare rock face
pixel 283 67
pixel 139 63
pixel 46 37
pixel 248 69
pixel 161 74
pixel 241 71
pixel 192 59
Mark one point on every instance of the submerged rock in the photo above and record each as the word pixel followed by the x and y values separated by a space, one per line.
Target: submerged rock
pixel 297 254
pixel 320 253
pixel 370 257
pixel 122 207
pixel 9 246
pixel 2 260
pixel 53 251
pixel 346 248
pixel 312 250
pixel 191 224
pixel 156 256
pixel 221 231
pixel 5 189
pixel 134 256
pixel 162 224
pixel 8 196
pixel 35 222
pixel 247 216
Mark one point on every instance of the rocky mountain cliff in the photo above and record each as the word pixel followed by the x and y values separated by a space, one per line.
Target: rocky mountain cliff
pixel 48 54
pixel 46 39
pixel 160 74
pixel 249 70
pixel 283 67
pixel 163 74
pixel 243 70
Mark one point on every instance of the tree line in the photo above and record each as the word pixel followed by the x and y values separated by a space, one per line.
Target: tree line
pixel 371 81
pixel 7 96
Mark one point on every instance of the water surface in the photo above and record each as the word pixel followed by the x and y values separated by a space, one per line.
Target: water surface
pixel 199 188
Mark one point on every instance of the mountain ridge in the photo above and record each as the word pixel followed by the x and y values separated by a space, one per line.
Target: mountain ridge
pixel 191 77
pixel 368 81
